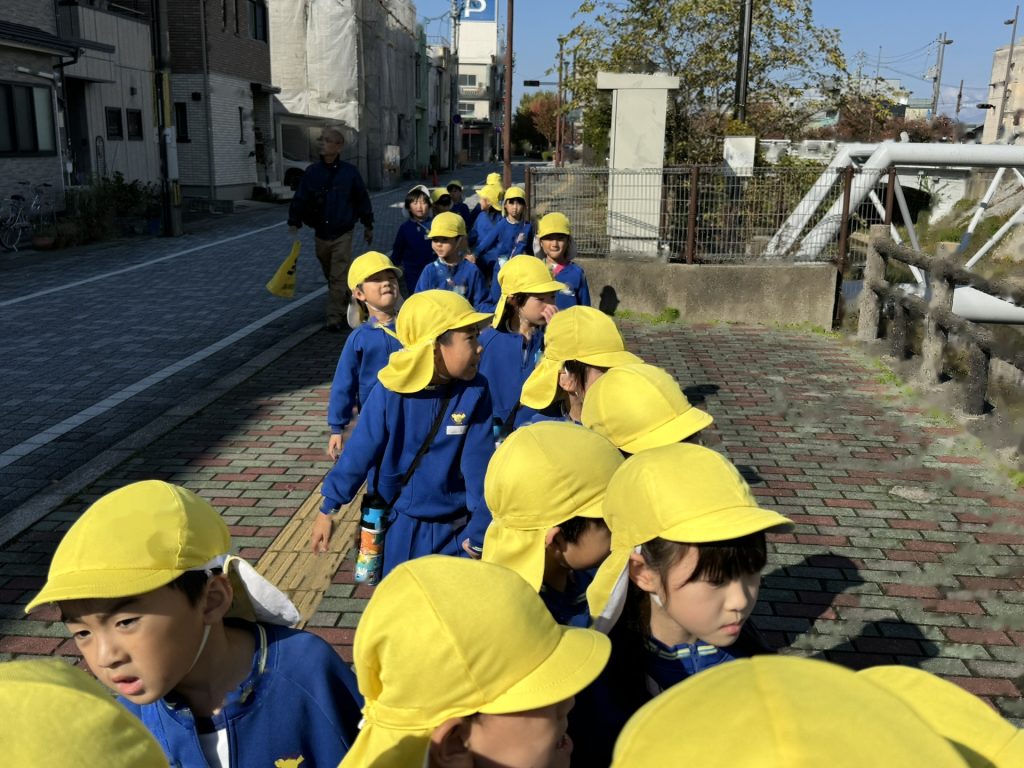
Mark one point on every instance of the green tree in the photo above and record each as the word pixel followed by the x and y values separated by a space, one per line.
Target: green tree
pixel 535 120
pixel 697 41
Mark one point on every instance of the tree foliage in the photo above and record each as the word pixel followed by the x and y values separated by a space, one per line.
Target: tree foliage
pixel 697 41
pixel 536 120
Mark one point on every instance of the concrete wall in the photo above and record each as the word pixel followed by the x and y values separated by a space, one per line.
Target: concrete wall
pixel 37 13
pixel 706 292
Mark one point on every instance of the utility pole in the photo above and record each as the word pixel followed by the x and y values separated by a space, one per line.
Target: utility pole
pixel 506 127
pixel 936 88
pixel 454 129
pixel 170 190
pixel 743 61
pixel 558 105
pixel 1006 78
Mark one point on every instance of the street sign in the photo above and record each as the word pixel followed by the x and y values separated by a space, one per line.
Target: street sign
pixel 480 10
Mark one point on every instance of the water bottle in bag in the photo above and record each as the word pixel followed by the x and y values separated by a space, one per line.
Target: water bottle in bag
pixel 370 560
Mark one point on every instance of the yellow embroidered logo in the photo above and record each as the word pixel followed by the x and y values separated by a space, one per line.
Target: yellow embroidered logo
pixel 458 418
pixel 289 762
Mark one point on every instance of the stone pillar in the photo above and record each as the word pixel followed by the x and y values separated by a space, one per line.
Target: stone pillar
pixel 639 105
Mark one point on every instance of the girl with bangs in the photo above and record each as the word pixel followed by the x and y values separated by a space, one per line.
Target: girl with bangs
pixel 677 591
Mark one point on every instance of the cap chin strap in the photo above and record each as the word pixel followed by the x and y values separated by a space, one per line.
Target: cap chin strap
pixel 202 647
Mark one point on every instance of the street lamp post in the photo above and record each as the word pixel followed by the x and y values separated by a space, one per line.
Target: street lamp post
pixel 1006 78
pixel 558 109
pixel 506 128
pixel 943 41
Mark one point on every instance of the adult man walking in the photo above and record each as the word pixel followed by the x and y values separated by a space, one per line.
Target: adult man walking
pixel 330 199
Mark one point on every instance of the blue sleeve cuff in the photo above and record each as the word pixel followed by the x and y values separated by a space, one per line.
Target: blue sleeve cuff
pixel 328 507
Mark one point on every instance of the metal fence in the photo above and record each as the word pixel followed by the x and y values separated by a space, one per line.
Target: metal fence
pixel 696 214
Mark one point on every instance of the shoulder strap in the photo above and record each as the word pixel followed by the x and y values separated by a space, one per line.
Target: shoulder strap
pixel 422 451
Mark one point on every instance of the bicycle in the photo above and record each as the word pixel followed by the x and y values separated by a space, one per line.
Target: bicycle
pixel 19 215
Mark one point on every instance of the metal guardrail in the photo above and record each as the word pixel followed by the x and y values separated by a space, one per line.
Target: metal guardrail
pixel 943 276
pixel 706 214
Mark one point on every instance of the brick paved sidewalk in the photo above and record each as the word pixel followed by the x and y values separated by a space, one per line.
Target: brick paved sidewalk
pixel 908 546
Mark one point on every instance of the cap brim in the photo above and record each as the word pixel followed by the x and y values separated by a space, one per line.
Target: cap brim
pixel 90 585
pixel 673 431
pixel 519 550
pixel 575 663
pixel 725 524
pixel 470 318
pixel 541 385
pixel 610 359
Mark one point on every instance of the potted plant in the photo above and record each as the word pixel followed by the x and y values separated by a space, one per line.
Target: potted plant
pixel 44 236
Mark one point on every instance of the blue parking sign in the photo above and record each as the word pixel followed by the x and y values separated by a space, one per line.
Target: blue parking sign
pixel 480 10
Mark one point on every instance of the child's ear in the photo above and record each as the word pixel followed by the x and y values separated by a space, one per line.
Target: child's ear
pixel 641 574
pixel 449 745
pixel 217 598
pixel 357 293
pixel 554 539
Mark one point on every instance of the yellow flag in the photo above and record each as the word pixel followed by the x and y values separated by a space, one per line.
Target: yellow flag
pixel 283 282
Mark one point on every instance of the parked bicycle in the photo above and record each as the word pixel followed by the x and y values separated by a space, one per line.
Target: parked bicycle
pixel 19 216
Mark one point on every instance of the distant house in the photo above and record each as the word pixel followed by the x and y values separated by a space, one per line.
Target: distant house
pixel 31 55
pixel 223 96
pixel 109 116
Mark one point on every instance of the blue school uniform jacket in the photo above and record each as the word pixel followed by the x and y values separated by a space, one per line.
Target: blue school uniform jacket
pixel 464 279
pixel 443 502
pixel 570 607
pixel 411 250
pixel 576 291
pixel 482 227
pixel 505 240
pixel 506 364
pixel 366 351
pixel 299 700
pixel 463 210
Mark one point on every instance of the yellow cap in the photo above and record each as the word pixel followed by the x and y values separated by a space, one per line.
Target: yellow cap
pixel 437 193
pixel 143 536
pixel 523 274
pixel 423 317
pixel 447 224
pixel 56 714
pixel 370 263
pixel 492 193
pixel 974 729
pixel 639 407
pixel 554 224
pixel 540 476
pixel 577 333
pixel 495 179
pixel 446 637
pixel 454 183
pixel 679 492
pixel 783 712
pixel 515 193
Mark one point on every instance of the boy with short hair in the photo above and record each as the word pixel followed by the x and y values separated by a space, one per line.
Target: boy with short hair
pixel 144 582
pixel 450 271
pixel 458 206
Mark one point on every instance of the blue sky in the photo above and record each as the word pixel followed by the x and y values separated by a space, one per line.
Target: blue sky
pixel 906 30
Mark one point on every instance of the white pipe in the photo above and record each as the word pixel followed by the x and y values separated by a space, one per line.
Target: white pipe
pixel 880 210
pixel 980 211
pixel 939 155
pixel 992 241
pixel 901 200
pixel 790 231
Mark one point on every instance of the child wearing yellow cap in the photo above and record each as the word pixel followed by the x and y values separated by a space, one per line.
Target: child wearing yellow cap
pixel 55 714
pixel 450 271
pixel 440 200
pixel 683 576
pixel 485 220
pixel 545 486
pixel 554 233
pixel 512 235
pixel 461 665
pixel 427 431
pixel 195 642
pixel 641 406
pixel 373 280
pixel 789 712
pixel 411 249
pixel 580 344
pixel 513 345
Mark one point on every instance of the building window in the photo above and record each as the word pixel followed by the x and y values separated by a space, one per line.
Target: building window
pixel 258 20
pixel 26 120
pixel 115 127
pixel 134 119
pixel 241 125
pixel 467 109
pixel 467 81
pixel 181 120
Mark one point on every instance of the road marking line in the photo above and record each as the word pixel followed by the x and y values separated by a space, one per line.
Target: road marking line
pixel 54 432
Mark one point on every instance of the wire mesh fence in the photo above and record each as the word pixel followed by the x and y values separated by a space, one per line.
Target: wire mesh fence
pixel 702 214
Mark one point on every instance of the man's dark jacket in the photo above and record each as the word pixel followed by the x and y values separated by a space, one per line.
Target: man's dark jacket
pixel 331 199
